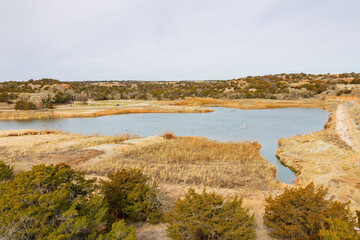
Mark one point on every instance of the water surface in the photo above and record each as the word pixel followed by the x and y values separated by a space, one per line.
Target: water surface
pixel 225 124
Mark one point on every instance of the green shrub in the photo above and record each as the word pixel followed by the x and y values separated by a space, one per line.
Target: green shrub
pixel 6 172
pixel 355 81
pixel 299 213
pixel 209 216
pixel 50 202
pixel 338 230
pixel 130 197
pixel 119 231
pixel 24 105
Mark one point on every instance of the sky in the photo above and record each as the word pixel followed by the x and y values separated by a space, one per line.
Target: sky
pixel 83 40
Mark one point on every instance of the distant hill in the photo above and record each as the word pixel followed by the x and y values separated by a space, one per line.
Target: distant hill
pixel 278 86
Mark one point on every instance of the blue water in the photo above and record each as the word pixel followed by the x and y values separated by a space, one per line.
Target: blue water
pixel 225 124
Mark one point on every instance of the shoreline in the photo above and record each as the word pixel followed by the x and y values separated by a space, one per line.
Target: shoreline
pixel 56 114
pixel 190 105
pixel 328 157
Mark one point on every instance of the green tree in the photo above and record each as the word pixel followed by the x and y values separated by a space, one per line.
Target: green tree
pixel 299 213
pixel 24 105
pixel 209 216
pixel 130 197
pixel 338 230
pixel 119 231
pixel 6 172
pixel 355 81
pixel 50 202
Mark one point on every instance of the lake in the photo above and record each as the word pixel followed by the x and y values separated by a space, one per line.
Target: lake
pixel 265 126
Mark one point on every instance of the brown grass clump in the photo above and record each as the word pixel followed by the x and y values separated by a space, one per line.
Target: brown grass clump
pixel 23 132
pixel 168 135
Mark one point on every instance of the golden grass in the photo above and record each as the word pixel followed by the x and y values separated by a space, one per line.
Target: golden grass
pixel 23 132
pixel 201 101
pixel 91 112
pixel 195 161
pixel 195 150
pixel 94 140
pixel 189 160
pixel 129 111
pixel 189 105
pixel 249 104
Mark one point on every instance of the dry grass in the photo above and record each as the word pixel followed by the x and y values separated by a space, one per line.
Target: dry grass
pixel 195 161
pixel 25 150
pixel 189 160
pixel 94 111
pixel 196 150
pixel 202 102
pixel 189 105
pixel 249 104
pixel 23 132
pixel 94 140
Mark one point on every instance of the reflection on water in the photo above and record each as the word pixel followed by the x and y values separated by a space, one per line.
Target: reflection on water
pixel 265 126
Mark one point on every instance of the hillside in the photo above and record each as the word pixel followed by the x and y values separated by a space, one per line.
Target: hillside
pixel 44 93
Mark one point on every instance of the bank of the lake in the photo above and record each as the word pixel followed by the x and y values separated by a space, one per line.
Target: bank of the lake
pixel 330 157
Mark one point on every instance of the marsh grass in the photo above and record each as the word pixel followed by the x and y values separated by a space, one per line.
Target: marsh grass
pixel 195 151
pixel 174 160
pixel 201 101
pixel 197 161
pixel 94 140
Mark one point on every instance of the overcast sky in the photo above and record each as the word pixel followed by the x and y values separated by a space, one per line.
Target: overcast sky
pixel 176 39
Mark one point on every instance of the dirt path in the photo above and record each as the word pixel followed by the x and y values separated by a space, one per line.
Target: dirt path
pixel 346 128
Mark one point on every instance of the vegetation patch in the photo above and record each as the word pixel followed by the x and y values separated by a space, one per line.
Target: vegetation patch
pixel 130 197
pixel 209 216
pixel 196 161
pixel 300 213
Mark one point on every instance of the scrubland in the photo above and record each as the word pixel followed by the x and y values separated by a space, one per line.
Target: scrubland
pixel 176 163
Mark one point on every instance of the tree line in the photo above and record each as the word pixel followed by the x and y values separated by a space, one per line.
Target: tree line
pixel 278 86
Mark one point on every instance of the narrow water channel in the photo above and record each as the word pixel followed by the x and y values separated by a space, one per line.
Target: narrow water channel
pixel 225 124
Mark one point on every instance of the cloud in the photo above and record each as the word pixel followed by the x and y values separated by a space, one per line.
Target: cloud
pixel 173 40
